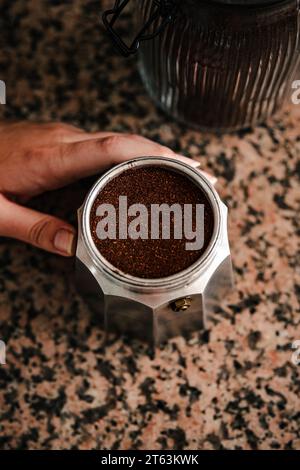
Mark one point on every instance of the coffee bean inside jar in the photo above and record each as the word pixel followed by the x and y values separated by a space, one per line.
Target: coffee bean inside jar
pixel 218 65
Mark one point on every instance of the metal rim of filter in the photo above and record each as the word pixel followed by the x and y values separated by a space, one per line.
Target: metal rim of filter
pixel 176 280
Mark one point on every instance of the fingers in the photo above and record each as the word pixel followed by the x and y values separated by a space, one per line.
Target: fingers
pixel 72 161
pixel 196 164
pixel 73 137
pixel 41 230
pixel 92 155
pixel 56 154
pixel 37 135
pixel 85 158
pixel 40 135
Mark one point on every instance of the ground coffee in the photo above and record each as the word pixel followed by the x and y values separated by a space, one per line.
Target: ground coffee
pixel 152 259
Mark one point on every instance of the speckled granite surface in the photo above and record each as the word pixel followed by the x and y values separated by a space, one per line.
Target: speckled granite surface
pixel 231 387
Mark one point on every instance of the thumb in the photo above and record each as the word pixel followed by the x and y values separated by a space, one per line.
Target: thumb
pixel 41 230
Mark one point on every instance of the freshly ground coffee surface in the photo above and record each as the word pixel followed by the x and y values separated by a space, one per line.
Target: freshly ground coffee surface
pixel 151 259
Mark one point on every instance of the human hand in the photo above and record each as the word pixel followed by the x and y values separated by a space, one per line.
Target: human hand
pixel 35 158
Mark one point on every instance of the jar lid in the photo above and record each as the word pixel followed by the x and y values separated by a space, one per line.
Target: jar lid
pixel 165 11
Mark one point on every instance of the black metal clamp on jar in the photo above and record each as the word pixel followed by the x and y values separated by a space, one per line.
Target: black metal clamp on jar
pixel 216 65
pixel 164 11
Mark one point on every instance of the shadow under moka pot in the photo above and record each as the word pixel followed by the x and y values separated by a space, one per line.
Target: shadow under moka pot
pixel 215 64
pixel 146 285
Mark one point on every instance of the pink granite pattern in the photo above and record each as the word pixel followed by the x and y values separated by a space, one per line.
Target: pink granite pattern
pixel 231 387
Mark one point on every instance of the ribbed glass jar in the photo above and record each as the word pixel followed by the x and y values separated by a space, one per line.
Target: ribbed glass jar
pixel 222 67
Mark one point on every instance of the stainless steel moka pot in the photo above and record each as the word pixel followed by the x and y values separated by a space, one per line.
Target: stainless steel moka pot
pixel 154 309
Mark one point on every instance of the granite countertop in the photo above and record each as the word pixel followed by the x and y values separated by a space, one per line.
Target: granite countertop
pixel 233 386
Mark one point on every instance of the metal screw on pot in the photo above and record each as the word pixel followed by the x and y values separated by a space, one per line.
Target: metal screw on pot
pixel 181 305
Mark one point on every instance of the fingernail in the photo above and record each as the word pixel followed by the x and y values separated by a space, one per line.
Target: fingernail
pixel 196 164
pixel 212 179
pixel 187 160
pixel 64 241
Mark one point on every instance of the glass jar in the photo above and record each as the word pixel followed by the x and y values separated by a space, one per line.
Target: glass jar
pixel 219 65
